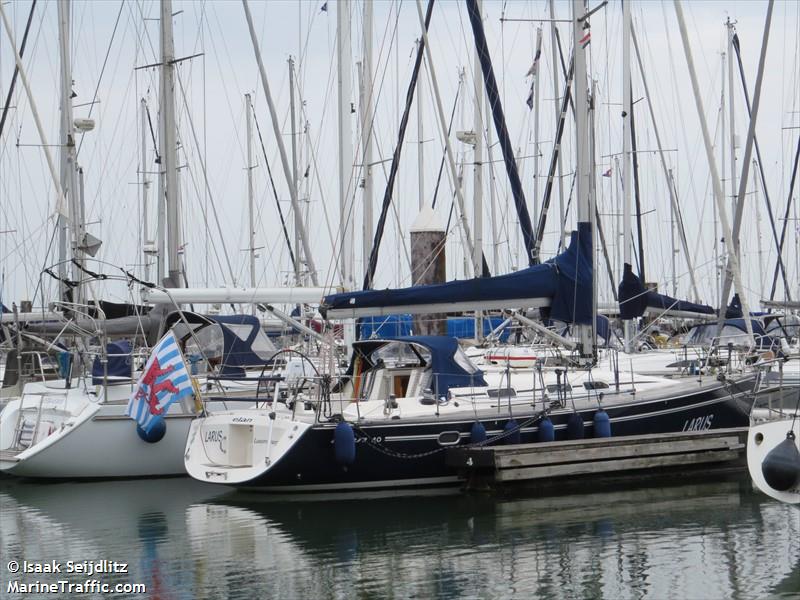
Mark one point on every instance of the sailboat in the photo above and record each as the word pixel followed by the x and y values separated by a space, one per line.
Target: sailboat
pixel 405 400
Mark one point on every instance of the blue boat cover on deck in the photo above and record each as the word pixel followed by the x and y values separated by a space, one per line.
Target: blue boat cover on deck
pixel 120 358
pixel 238 352
pixel 634 299
pixel 566 279
pixel 447 372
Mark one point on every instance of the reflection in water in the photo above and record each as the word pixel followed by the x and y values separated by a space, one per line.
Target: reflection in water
pixel 711 540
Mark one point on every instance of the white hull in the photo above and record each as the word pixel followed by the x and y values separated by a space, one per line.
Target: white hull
pixel 762 438
pixel 101 442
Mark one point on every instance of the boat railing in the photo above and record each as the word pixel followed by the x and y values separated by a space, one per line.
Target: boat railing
pixel 42 365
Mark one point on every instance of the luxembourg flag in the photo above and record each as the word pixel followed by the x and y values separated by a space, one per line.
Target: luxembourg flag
pixel 164 381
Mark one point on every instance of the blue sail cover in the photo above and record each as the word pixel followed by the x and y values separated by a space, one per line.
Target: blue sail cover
pixel 635 299
pixel 564 282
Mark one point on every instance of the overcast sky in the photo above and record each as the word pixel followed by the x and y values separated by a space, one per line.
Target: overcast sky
pixel 112 39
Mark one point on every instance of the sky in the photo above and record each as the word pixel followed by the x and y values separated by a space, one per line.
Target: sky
pixel 112 40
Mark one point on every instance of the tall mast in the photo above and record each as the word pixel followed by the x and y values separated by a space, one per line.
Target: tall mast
pixel 556 92
pixel 366 133
pixel 251 230
pixel 298 216
pixel 69 167
pixel 492 195
pixel 673 250
pixel 145 183
pixel 168 141
pixel 731 119
pixel 626 150
pixel 420 135
pixel 761 281
pixel 477 181
pixel 344 86
pixel 723 154
pixel 536 152
pixel 583 172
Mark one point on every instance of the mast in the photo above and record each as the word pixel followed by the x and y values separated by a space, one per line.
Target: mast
pixel 733 267
pixel 536 153
pixel 343 56
pixel 673 250
pixel 492 196
pixel 298 216
pixel 420 136
pixel 366 132
pixel 145 183
pixel 722 137
pixel 69 167
pixel 65 132
pixel 626 152
pixel 169 146
pixel 583 173
pixel 556 92
pixel 731 119
pixel 477 182
pixel 761 281
pixel 251 230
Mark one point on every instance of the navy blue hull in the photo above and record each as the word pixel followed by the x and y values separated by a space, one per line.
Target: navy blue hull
pixel 408 454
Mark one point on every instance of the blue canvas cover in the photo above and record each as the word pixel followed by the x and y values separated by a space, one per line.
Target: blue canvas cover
pixel 447 373
pixel 238 353
pixel 566 280
pixel 120 358
pixel 463 328
pixel 704 333
pixel 635 299
pixel 736 311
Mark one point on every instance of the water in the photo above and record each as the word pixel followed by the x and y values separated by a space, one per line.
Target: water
pixel 186 540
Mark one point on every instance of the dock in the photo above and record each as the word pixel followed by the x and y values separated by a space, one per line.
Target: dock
pixel 484 467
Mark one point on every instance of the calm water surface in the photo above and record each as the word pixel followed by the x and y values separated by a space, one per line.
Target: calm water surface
pixel 185 540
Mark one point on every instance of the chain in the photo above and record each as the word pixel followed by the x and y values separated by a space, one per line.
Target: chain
pixel 403 455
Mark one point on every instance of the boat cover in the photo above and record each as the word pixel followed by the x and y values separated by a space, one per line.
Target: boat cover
pixel 635 299
pixel 564 282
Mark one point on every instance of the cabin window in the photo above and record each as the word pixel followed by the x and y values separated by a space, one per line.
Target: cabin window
pixel 399 354
pixel 261 345
pixel 463 361
pixel 207 342
pixel 595 385
pixel 502 393
pixel 555 387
